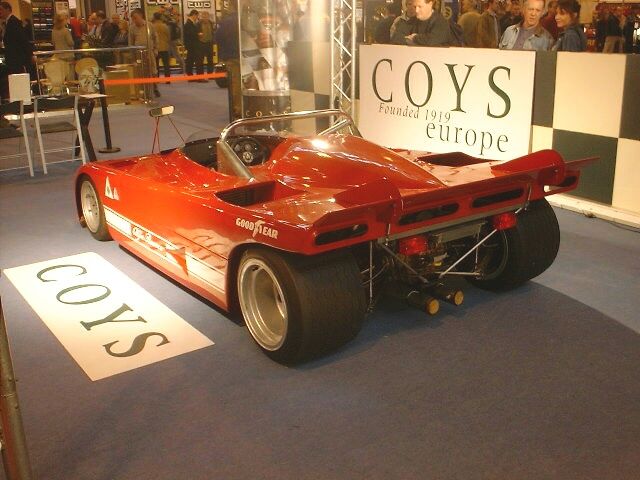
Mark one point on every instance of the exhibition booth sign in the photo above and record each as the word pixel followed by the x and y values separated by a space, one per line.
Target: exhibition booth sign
pixel 106 321
pixel 447 99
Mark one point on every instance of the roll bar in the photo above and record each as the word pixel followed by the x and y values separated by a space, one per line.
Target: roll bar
pixel 240 169
pixel 290 116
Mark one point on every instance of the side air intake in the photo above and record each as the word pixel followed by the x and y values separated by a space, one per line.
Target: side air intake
pixel 341 234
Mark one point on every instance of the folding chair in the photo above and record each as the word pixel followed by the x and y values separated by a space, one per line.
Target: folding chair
pixel 16 108
pixel 88 72
pixel 57 71
pixel 44 106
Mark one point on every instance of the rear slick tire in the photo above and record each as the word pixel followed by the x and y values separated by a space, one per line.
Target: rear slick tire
pixel 524 251
pixel 298 308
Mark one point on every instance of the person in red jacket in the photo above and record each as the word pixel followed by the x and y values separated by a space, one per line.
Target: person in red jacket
pixel 76 28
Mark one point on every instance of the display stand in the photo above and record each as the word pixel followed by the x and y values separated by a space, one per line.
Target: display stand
pixel 105 122
pixel 42 19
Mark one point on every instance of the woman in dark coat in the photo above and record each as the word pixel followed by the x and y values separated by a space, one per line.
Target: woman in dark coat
pixel 572 37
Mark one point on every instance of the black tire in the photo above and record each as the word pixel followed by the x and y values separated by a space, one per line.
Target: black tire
pixel 92 210
pixel 523 252
pixel 323 299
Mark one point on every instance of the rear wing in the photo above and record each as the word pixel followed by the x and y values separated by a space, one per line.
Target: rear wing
pixel 507 186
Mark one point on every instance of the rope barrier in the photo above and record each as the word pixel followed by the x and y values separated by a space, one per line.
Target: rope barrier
pixel 180 78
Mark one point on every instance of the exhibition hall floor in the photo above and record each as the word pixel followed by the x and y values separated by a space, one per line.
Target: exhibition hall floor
pixel 539 383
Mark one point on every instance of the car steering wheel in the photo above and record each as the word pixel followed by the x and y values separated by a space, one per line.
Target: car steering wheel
pixel 249 150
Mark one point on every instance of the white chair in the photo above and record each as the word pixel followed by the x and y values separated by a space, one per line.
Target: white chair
pixel 16 109
pixel 46 115
pixel 85 64
pixel 57 72
pixel 88 75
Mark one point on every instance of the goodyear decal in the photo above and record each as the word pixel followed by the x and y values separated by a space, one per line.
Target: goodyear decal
pixel 257 228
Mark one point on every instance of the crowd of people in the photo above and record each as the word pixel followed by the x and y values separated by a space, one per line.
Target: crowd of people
pixel 97 31
pixel 163 37
pixel 505 24
pixel 614 29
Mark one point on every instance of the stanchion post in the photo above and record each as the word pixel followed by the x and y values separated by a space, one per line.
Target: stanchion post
pixel 105 121
pixel 230 94
pixel 15 456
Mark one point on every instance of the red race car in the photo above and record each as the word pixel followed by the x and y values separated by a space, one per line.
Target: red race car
pixel 303 232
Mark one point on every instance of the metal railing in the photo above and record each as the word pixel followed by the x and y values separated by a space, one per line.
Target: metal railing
pixel 15 457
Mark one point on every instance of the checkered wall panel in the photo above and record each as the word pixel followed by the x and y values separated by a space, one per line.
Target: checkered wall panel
pixel 588 95
pixel 309 72
pixel 589 105
pixel 544 89
pixel 630 123
pixel 626 186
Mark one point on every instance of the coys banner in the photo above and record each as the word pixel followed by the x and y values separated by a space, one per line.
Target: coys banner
pixel 442 100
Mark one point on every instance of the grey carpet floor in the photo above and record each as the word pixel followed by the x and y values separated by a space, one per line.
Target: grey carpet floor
pixel 540 383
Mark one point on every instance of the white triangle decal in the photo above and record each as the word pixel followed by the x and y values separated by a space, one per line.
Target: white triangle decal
pixel 107 189
pixel 115 194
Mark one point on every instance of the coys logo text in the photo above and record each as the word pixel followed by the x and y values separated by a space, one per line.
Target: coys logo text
pixel 436 101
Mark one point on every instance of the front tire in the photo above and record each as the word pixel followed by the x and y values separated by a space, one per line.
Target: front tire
pixel 297 308
pixel 514 256
pixel 92 210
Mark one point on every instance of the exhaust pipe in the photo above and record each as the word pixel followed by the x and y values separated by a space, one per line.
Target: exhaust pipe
pixel 423 301
pixel 449 295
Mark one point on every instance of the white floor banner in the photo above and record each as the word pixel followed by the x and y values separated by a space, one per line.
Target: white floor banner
pixel 107 322
pixel 477 101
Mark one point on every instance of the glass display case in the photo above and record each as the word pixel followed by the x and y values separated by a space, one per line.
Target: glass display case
pixel 265 30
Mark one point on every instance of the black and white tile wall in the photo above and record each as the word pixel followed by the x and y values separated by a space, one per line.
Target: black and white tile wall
pixel 589 105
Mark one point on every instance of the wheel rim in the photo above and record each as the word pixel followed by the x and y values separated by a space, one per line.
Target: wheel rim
pixel 263 304
pixel 497 249
pixel 90 206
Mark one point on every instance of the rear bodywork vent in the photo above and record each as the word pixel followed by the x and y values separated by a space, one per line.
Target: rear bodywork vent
pixel 240 197
pixel 498 198
pixel 341 234
pixel 255 193
pixel 428 214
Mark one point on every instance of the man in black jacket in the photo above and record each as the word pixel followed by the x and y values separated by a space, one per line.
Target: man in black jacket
pixel 405 24
pixel 192 35
pixel 432 29
pixel 17 49
pixel 382 33
pixel 614 41
pixel 105 30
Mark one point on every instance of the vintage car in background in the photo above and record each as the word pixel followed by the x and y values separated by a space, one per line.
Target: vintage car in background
pixel 303 231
